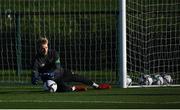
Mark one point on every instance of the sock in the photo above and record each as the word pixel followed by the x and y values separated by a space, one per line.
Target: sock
pixel 73 88
pixel 95 85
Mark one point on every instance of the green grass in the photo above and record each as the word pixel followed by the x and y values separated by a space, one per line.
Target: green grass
pixel 33 97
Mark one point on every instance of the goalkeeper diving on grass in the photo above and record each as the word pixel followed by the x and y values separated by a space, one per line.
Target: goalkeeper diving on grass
pixel 46 66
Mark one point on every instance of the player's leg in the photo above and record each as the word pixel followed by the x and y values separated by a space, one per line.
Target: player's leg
pixel 69 76
pixel 86 81
pixel 62 87
pixel 78 78
pixel 61 83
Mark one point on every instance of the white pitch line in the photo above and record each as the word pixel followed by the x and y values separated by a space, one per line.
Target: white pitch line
pixel 106 102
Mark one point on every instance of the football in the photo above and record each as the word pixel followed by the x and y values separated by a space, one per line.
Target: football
pixel 146 80
pixel 167 79
pixel 50 86
pixel 158 80
pixel 128 81
pixel 149 81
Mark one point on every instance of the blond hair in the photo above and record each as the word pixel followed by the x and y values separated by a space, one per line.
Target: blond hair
pixel 42 40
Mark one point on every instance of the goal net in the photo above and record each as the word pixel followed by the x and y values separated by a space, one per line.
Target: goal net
pixel 82 31
pixel 153 37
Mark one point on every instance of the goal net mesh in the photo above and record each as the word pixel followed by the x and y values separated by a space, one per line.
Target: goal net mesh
pixel 82 31
pixel 153 37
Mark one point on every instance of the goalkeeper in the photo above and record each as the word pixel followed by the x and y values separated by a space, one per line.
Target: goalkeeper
pixel 46 66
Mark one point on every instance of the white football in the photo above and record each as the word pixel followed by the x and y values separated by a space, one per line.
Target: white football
pixel 167 79
pixel 149 81
pixel 146 80
pixel 158 80
pixel 128 81
pixel 50 86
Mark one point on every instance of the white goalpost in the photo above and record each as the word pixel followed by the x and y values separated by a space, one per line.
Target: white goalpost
pixel 122 65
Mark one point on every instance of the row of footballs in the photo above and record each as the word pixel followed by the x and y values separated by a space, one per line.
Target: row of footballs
pixel 152 80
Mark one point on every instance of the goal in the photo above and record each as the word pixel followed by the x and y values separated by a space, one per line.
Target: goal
pixel 104 40
pixel 153 37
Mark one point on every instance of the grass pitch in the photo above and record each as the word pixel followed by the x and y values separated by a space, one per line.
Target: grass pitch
pixel 18 97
